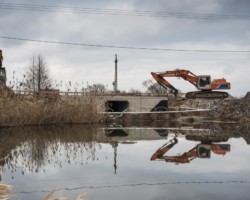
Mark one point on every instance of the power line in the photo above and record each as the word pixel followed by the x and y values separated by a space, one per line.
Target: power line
pixel 125 47
pixel 78 10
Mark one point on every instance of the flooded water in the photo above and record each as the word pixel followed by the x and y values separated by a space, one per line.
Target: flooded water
pixel 208 161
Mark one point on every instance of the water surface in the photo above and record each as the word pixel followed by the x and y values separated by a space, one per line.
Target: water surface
pixel 114 163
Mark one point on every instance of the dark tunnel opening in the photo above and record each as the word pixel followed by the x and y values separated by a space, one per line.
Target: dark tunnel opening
pixel 160 106
pixel 116 106
pixel 116 133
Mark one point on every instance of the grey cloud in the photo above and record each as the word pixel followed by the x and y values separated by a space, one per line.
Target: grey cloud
pixel 119 30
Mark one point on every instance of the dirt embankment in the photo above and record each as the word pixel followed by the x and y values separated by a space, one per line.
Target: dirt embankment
pixel 237 110
pixel 228 110
pixel 20 110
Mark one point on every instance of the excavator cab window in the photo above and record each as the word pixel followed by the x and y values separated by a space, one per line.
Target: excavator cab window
pixel 204 82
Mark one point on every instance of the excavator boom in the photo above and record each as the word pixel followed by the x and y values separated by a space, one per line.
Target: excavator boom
pixel 202 83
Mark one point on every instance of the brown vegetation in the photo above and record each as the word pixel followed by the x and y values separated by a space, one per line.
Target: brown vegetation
pixel 31 146
pixel 49 196
pixel 5 191
pixel 5 194
pixel 20 110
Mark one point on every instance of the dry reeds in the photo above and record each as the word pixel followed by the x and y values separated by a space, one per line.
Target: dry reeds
pixel 44 145
pixel 5 194
pixel 33 110
pixel 49 196
pixel 5 191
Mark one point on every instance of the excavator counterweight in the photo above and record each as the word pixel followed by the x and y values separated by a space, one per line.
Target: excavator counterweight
pixel 203 83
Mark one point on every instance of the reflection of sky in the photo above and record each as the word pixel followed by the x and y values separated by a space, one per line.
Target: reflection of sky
pixel 221 177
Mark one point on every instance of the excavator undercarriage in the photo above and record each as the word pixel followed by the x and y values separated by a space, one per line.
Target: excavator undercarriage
pixel 206 95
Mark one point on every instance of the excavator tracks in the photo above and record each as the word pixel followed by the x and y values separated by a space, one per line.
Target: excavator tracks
pixel 206 95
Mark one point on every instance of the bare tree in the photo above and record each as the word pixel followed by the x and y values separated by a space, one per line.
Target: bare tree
pixel 37 74
pixel 97 88
pixel 134 91
pixel 154 88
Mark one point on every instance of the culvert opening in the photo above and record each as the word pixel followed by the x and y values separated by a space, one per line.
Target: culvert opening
pixel 160 106
pixel 116 106
pixel 116 133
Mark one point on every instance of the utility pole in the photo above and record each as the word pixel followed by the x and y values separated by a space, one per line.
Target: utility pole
pixel 115 145
pixel 115 82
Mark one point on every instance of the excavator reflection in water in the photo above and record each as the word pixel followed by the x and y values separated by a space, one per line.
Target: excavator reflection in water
pixel 202 150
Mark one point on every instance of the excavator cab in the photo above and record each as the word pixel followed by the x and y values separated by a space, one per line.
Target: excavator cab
pixel 204 82
pixel 204 151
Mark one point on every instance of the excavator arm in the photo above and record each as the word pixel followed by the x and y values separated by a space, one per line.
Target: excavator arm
pixel 184 158
pixel 164 149
pixel 185 74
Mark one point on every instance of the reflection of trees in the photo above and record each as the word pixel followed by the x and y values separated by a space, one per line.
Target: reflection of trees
pixel 33 149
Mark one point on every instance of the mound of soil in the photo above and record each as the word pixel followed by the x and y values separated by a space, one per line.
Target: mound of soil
pixel 237 110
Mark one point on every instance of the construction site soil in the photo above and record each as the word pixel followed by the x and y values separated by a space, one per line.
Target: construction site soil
pixel 236 110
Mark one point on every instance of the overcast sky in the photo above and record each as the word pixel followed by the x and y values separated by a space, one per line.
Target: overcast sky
pixel 217 25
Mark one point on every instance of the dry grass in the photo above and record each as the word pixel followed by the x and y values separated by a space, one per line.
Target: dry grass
pixel 5 191
pixel 5 194
pixel 27 110
pixel 49 196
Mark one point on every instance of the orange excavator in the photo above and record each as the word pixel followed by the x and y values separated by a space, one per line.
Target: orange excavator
pixel 202 150
pixel 202 83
